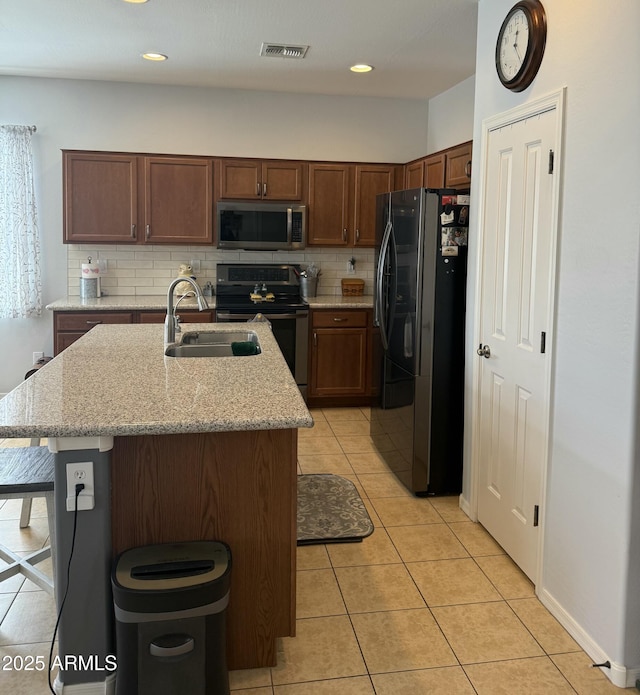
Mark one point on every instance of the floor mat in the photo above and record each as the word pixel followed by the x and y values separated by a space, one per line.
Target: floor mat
pixel 330 510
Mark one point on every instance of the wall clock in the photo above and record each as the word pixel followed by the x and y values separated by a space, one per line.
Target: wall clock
pixel 520 44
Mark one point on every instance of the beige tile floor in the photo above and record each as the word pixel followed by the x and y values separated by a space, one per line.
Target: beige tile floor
pixel 429 603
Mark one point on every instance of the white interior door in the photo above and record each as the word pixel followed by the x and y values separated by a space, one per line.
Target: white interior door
pixel 516 313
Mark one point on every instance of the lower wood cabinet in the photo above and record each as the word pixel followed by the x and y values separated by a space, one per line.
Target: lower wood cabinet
pixel 340 357
pixel 68 326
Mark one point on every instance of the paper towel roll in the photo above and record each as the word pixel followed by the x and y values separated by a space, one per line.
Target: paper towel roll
pixel 89 280
pixel 90 270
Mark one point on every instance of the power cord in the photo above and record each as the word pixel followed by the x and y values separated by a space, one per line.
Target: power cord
pixel 79 489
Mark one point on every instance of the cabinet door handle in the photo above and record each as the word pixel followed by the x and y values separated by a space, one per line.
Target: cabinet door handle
pixel 133 231
pixel 344 234
pixel 93 323
pixel 258 189
pixel 264 190
pixel 467 169
pixel 337 319
pixel 148 231
pixel 357 235
pixel 315 339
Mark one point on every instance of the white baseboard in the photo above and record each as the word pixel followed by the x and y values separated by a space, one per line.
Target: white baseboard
pixel 105 687
pixel 618 674
pixel 466 507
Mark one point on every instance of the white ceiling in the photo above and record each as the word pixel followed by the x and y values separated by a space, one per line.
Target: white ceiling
pixel 419 48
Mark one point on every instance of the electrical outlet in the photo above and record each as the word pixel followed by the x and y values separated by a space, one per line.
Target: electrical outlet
pixel 37 356
pixel 80 473
pixel 102 265
pixel 351 268
pixel 195 265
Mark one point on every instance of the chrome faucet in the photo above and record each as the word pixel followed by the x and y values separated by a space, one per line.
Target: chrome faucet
pixel 171 321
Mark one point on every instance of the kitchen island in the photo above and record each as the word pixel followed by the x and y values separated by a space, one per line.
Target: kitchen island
pixel 182 449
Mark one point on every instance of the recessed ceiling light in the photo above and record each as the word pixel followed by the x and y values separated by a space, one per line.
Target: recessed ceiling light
pixel 361 68
pixel 155 56
pixel 136 1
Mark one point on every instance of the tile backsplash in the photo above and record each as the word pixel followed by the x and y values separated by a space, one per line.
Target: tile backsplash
pixel 145 270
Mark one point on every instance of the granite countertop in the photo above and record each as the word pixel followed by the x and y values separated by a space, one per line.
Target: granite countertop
pixel 123 302
pixel 115 380
pixel 142 302
pixel 332 301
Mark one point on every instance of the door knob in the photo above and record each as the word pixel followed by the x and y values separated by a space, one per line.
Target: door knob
pixel 484 351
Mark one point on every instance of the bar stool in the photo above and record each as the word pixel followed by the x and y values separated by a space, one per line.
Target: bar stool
pixel 28 472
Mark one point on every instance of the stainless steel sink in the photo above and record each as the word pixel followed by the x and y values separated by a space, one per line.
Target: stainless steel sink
pixel 215 344
pixel 218 337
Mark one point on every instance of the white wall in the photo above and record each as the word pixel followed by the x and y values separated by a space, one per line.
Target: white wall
pixel 451 116
pixel 591 551
pixel 143 118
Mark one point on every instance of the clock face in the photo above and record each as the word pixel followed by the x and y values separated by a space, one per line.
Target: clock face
pixel 514 43
pixel 520 44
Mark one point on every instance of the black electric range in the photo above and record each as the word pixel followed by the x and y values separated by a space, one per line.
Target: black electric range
pixel 277 287
pixel 276 295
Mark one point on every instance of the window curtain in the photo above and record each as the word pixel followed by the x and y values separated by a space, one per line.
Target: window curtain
pixel 20 285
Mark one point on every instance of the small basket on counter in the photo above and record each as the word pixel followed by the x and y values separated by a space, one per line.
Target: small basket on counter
pixel 352 287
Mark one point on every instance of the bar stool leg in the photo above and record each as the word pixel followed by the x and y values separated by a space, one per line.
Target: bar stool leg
pixel 25 513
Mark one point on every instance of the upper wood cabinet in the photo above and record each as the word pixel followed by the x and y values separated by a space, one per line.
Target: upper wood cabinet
pixel 427 172
pixel 414 174
pixel 329 204
pixel 342 201
pixel 370 181
pixel 178 195
pixel 132 199
pixel 136 198
pixel 434 171
pixel 100 198
pixel 250 179
pixel 458 170
pixel 447 169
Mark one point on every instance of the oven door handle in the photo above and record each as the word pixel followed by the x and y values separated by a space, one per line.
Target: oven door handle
pixel 227 315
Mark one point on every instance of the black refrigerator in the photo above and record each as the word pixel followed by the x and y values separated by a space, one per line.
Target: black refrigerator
pixel 419 311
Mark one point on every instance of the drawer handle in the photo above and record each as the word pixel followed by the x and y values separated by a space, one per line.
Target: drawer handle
pixel 337 319
pixel 93 323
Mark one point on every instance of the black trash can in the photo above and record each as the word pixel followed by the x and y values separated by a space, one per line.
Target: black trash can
pixel 170 602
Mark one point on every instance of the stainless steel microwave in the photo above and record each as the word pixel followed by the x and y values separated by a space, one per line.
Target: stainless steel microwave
pixel 261 226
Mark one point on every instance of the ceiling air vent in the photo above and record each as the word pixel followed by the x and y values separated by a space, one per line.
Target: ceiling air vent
pixel 281 50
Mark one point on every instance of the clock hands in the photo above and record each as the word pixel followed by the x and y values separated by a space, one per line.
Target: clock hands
pixel 515 46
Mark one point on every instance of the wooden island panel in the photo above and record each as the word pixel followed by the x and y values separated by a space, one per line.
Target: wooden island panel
pixel 236 487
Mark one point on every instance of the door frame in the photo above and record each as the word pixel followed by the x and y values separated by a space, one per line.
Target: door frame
pixel 554 100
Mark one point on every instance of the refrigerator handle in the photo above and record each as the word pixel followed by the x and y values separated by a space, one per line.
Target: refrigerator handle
pixel 381 319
